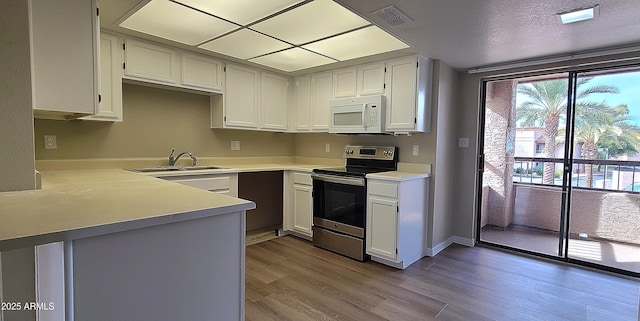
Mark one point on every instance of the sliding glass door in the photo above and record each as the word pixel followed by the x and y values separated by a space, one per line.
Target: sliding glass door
pixel 604 205
pixel 558 164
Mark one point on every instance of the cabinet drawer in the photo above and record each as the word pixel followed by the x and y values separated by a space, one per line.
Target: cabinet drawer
pixel 383 189
pixel 209 184
pixel 301 178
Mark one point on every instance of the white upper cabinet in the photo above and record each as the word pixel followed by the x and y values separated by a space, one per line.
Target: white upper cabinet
pixel 363 80
pixel 274 101
pixel 151 63
pixel 408 95
pixel 321 89
pixel 345 83
pixel 65 58
pixel 110 107
pixel 371 79
pixel 241 97
pixel 201 72
pixel 303 103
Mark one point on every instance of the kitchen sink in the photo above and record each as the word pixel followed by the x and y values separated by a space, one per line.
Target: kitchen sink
pixel 172 168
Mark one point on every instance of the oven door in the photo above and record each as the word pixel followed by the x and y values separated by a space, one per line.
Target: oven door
pixel 339 203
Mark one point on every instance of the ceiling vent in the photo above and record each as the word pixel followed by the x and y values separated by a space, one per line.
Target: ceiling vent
pixel 392 16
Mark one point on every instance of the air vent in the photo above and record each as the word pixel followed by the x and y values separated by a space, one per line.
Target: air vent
pixel 392 16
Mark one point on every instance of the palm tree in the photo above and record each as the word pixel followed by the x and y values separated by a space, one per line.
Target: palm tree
pixel 606 127
pixel 546 106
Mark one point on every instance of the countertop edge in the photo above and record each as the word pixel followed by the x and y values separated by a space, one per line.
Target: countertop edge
pixel 398 176
pixel 91 231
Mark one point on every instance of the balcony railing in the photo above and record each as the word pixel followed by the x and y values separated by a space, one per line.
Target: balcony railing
pixel 612 175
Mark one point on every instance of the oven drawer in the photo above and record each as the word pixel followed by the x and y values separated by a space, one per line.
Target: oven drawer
pixel 343 244
pixel 383 189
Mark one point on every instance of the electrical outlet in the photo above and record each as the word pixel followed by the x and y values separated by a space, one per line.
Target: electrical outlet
pixel 327 147
pixel 235 145
pixel 50 142
pixel 416 150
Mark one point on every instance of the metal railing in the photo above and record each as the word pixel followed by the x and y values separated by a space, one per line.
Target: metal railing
pixel 613 175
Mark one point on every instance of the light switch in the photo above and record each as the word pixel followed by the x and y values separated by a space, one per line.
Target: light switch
pixel 416 150
pixel 463 142
pixel 235 145
pixel 327 147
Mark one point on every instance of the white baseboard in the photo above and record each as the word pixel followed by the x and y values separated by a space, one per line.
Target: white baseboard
pixel 464 241
pixel 443 245
pixel 439 247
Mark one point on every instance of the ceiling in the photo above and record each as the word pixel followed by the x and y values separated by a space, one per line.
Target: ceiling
pixel 472 33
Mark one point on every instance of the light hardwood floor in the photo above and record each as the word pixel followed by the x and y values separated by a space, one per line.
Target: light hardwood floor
pixel 289 279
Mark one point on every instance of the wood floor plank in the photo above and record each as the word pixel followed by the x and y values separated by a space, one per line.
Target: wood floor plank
pixel 289 279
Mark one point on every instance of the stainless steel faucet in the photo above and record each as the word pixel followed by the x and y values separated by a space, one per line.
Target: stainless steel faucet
pixel 174 160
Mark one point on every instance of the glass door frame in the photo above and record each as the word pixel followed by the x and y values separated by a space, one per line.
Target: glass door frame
pixel 565 210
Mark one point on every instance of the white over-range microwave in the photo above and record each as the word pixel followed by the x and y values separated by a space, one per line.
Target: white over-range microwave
pixel 360 115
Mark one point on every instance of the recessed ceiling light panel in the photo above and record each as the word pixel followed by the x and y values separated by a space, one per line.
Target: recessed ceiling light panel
pixel 312 21
pixel 360 43
pixel 293 59
pixel 241 12
pixel 165 19
pixel 579 15
pixel 245 44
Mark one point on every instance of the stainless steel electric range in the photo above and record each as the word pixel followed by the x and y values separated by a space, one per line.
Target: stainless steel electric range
pixel 340 199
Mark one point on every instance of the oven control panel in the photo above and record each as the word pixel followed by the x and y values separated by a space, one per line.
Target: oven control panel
pixel 370 152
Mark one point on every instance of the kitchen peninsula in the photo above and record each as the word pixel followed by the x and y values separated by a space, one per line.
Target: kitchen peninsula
pixel 126 252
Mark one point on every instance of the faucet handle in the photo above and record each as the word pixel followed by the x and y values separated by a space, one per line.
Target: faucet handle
pixel 172 160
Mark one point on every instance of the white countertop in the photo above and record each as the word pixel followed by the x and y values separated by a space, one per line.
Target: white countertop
pixel 75 204
pixel 81 203
pixel 398 176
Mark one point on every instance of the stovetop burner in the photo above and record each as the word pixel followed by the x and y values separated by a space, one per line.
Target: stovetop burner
pixel 350 171
pixel 363 160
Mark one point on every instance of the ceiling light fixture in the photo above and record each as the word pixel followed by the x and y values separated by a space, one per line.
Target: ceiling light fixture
pixel 289 35
pixel 579 15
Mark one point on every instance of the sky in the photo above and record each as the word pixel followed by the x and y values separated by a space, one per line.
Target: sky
pixel 629 86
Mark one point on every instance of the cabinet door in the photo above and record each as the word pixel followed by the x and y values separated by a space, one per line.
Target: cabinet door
pixel 151 63
pixel 322 93
pixel 344 83
pixel 241 97
pixel 371 79
pixel 274 98
pixel 110 106
pixel 382 227
pixel 303 209
pixel 303 103
pixel 401 96
pixel 201 72
pixel 65 57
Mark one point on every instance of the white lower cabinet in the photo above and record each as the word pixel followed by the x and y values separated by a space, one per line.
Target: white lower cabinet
pixel 382 229
pixel 298 214
pixel 223 183
pixel 396 220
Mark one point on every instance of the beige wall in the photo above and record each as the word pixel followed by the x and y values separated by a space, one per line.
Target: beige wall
pixel 313 145
pixel 443 195
pixel 16 113
pixel 156 120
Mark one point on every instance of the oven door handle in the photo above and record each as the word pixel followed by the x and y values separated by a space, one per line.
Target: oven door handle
pixel 338 180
